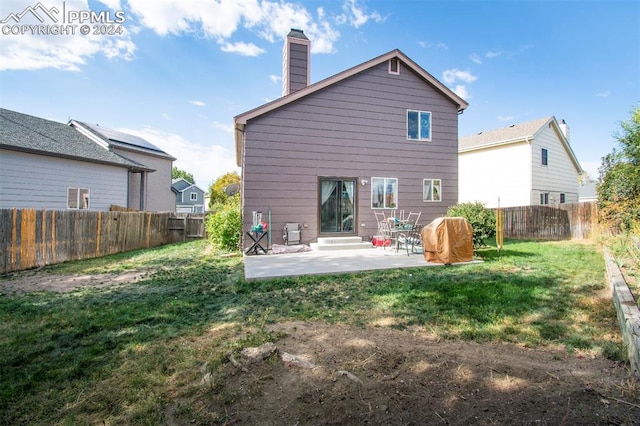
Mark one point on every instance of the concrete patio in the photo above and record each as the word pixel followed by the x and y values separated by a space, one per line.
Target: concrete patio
pixel 330 262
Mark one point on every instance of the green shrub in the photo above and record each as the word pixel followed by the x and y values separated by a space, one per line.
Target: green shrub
pixel 225 225
pixel 482 220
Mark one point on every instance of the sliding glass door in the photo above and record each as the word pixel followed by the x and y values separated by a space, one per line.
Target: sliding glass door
pixel 337 205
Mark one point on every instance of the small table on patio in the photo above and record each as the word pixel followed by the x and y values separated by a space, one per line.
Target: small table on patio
pixel 256 237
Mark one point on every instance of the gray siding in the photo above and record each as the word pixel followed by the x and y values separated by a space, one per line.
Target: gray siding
pixel 160 198
pixel 40 182
pixel 183 200
pixel 355 128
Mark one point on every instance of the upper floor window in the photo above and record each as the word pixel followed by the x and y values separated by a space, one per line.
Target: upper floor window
pixel 384 193
pixel 419 125
pixel 78 198
pixel 394 66
pixel 194 196
pixel 545 157
pixel 431 190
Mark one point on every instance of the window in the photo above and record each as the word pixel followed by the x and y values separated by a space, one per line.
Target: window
pixel 194 196
pixel 431 190
pixel 545 157
pixel 384 193
pixel 562 198
pixel 394 66
pixel 544 198
pixel 78 198
pixel 419 125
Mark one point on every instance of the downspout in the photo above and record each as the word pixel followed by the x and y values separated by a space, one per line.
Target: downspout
pixel 527 140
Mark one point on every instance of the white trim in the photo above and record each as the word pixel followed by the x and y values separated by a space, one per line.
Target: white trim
pixel 396 193
pixel 439 186
pixel 397 62
pixel 256 112
pixel 419 128
pixel 86 132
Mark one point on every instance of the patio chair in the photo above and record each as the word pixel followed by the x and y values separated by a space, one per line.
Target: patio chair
pixel 410 239
pixel 413 218
pixel 385 236
pixel 292 233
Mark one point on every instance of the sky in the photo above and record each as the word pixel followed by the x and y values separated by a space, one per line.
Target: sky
pixel 176 72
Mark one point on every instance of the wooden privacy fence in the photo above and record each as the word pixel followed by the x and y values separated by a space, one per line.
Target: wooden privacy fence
pixel 566 221
pixel 33 238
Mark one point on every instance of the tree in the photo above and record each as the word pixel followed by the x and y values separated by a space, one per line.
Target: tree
pixel 216 189
pixel 177 173
pixel 619 186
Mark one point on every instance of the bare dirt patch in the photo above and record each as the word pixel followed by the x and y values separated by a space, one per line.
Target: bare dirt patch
pixel 36 280
pixel 350 375
pixel 334 374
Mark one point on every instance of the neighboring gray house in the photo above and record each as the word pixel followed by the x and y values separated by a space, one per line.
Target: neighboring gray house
pixel 588 190
pixel 147 191
pixel 381 136
pixel 188 197
pixel 49 165
pixel 524 164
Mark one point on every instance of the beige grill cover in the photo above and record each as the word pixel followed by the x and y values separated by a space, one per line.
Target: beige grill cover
pixel 448 240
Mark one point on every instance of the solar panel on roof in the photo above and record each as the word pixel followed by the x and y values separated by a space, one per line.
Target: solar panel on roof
pixel 125 138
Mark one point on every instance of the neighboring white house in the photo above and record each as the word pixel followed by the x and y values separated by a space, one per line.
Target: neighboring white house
pixel 189 198
pixel 523 164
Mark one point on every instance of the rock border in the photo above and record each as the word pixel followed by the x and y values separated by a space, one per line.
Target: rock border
pixel 626 309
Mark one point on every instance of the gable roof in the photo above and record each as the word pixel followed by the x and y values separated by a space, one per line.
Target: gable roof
pixel 241 120
pixel 117 139
pixel 181 185
pixel 515 133
pixel 27 133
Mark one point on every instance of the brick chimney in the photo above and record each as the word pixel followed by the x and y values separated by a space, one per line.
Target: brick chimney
pixel 296 58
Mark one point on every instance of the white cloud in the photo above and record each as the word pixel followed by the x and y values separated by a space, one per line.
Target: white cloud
pixel 453 75
pixel 227 128
pixel 591 167
pixel 428 45
pixel 491 54
pixel 476 58
pixel 462 91
pixel 356 15
pixel 66 52
pixel 244 49
pixel 270 20
pixel 604 94
pixel 112 4
pixel 197 103
pixel 275 79
pixel 205 162
pixel 504 118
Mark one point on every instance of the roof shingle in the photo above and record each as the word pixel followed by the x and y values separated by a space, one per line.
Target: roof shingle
pixel 22 132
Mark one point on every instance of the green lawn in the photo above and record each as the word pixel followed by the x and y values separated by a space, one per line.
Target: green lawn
pixel 123 353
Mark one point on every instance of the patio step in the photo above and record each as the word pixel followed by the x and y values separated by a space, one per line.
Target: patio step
pixel 340 243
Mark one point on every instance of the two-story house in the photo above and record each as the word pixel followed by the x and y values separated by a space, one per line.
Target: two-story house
pixel 50 165
pixel 523 164
pixel 188 197
pixel 380 136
